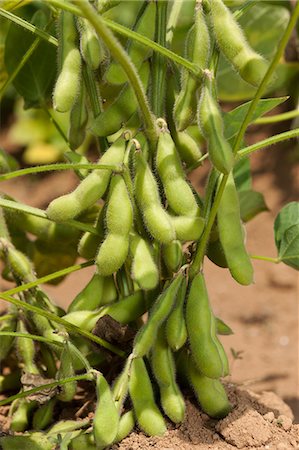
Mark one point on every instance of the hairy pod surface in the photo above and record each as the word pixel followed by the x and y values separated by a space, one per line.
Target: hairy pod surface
pixel 78 121
pixel 187 148
pixel 66 369
pixel 176 330
pixel 90 297
pixel 147 413
pixel 106 417
pixel 188 228
pixel 26 349
pixel 44 415
pixel 231 235
pixel 90 45
pixel 172 254
pixel 126 425
pixel 144 269
pixel 207 351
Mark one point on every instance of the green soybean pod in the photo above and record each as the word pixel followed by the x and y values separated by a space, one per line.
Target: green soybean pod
pixel 231 235
pixel 188 148
pixel 7 341
pixel 106 416
pixel 233 44
pixel 68 82
pixel 144 269
pixel 206 349
pixel 78 121
pixel 21 416
pixel 91 189
pixel 83 441
pixel 26 350
pixel 172 254
pixel 90 46
pixel 30 441
pixel 126 425
pixel 112 254
pixel 178 192
pixel 187 228
pixel 161 309
pixel 197 50
pixel 18 263
pixel 176 330
pixel 90 242
pixel 148 199
pixel 215 253
pixel 110 293
pixel 120 111
pixel 90 297
pixel 211 124
pixel 66 369
pixel 147 413
pixel 209 392
pixel 163 366
pixel 44 415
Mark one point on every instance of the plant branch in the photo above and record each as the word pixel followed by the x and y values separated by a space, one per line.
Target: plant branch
pixel 277 117
pixel 265 258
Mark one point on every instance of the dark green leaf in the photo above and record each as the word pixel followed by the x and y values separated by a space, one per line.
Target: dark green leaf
pixel 242 175
pixel 36 79
pixel 289 247
pixel 287 217
pixel 251 204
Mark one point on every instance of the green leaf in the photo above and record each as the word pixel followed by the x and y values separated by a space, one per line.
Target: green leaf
pixel 264 25
pixel 234 119
pixel 242 175
pixel 36 79
pixel 286 231
pixel 251 204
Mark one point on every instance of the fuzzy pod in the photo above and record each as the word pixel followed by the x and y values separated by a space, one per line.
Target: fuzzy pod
pixel 231 235
pixel 147 413
pixel 91 47
pixel 187 148
pixel 187 228
pixel 176 330
pixel 106 416
pixel 44 415
pixel 66 369
pixel 172 255
pixel 207 351
pixel 126 425
pixel 26 350
pixel 90 297
pixel 78 122
pixel 21 416
pixel 30 441
pixel 91 189
pixel 112 254
pixel 144 269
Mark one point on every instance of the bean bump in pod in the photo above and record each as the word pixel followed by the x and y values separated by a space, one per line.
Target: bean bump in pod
pixel 144 268
pixel 119 220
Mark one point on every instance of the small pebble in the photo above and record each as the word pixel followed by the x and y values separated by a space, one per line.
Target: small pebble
pixel 285 422
pixel 269 416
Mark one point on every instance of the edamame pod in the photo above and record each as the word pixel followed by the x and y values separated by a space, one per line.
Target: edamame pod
pixel 66 369
pixel 231 235
pixel 21 416
pixel 179 195
pixel 83 441
pixel 43 416
pixel 206 349
pixel 144 269
pixel 211 124
pixel 32 441
pixel 197 50
pixel 91 189
pixel 78 121
pixel 176 331
pixel 232 42
pixel 161 309
pixel 106 416
pixel 209 392
pixel 187 148
pixel 172 254
pixel 18 263
pixel 147 413
pixel 148 199
pixel 90 242
pixel 26 350
pixel 7 341
pixel 90 297
pixel 126 425
pixel 188 228
pixel 163 366
pixel 68 81
pixel 90 45
pixel 120 111
pixel 216 254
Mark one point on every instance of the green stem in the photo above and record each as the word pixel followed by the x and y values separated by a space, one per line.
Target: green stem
pixel 265 258
pixel 68 326
pixel 28 26
pixel 42 214
pixel 267 78
pixel 173 20
pixel 60 166
pixel 267 142
pixel 7 317
pixel 120 55
pixel 62 381
pixel 277 117
pixel 31 336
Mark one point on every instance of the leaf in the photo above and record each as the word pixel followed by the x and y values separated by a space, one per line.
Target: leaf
pixel 234 119
pixel 264 25
pixel 286 231
pixel 251 204
pixel 10 5
pixel 36 79
pixel 242 175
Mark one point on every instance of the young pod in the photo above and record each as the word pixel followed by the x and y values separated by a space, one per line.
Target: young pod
pixel 162 307
pixel 106 416
pixel 148 199
pixel 90 298
pixel 30 441
pixel 26 350
pixel 211 124
pixel 144 269
pixel 78 122
pixel 44 415
pixel 176 330
pixel 91 189
pixel 233 44
pixel 206 349
pixel 90 46
pixel 21 416
pixel 147 413
pixel 66 369
pixel 90 242
pixel 126 425
pixel 188 228
pixel 68 82
pixel 197 50
pixel 172 255
pixel 179 195
pixel 188 149
pixel 231 235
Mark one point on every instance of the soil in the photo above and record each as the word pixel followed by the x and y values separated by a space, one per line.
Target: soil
pixel 264 348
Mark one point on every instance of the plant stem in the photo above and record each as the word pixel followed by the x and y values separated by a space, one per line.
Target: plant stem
pixel 59 166
pixel 267 78
pixel 69 326
pixel 173 20
pixel 31 336
pixel 265 258
pixel 120 55
pixel 267 142
pixel 28 26
pixel 62 381
pixel 277 117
